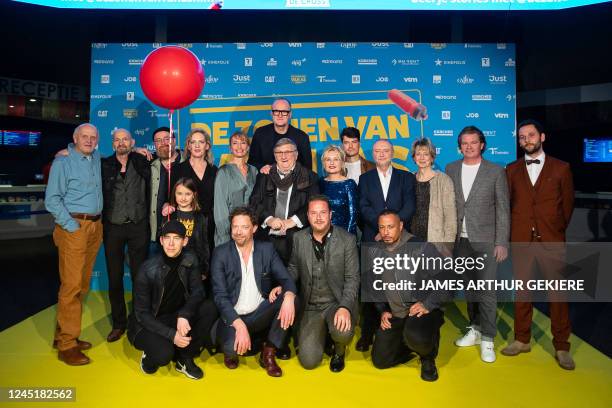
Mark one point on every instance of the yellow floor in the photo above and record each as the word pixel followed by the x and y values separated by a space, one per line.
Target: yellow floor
pixel 114 378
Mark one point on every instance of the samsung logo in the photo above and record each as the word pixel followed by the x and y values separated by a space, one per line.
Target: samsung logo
pixel 446 97
pixel 367 61
pixel 482 97
pixel 439 132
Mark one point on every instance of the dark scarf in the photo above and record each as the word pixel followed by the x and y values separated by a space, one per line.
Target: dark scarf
pixel 287 181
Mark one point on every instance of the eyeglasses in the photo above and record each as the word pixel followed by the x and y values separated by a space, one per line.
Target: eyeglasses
pixel 284 152
pixel 282 113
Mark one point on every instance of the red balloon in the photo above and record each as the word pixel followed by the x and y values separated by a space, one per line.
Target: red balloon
pixel 172 77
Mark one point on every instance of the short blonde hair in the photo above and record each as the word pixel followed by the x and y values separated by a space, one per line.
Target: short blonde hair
pixel 333 148
pixel 424 143
pixel 209 155
pixel 240 135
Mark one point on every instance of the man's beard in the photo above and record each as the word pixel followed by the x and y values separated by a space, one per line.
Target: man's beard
pixel 530 149
pixel 122 150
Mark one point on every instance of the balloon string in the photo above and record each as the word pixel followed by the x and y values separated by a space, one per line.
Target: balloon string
pixel 171 153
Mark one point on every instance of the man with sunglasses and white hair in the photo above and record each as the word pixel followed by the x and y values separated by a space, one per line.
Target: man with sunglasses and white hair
pixel 261 154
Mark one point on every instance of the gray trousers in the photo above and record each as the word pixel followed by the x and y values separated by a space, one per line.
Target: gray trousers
pixel 314 326
pixel 481 305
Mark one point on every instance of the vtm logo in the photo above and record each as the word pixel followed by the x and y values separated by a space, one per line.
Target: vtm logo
pixel 411 80
pixel 295 45
pixel 501 115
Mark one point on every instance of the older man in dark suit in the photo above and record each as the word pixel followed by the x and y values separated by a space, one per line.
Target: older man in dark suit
pixel 542 202
pixel 243 273
pixel 325 261
pixel 483 216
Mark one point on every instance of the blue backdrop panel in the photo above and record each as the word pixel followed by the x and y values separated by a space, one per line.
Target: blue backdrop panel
pixel 331 85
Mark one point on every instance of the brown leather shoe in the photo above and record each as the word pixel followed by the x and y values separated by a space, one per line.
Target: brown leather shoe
pixel 230 362
pixel 73 357
pixel 565 360
pixel 115 335
pixel 81 344
pixel 515 348
pixel 267 361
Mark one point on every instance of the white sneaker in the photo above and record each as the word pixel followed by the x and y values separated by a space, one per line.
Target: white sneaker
pixel 471 338
pixel 487 351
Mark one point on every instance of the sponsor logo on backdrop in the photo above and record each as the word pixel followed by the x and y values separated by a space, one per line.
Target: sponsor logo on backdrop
pixel 485 62
pixel 348 45
pixel 99 46
pixel 501 46
pixel 129 96
pixel 367 61
pixel 141 132
pixel 472 115
pixel 129 45
pixel 157 45
pixel 382 79
pixel 266 45
pixel 465 80
pixel 102 113
pixel 355 79
pixel 103 61
pixel 501 115
pixel 247 94
pixel 295 45
pixel 211 79
pixel 482 97
pixel 408 62
pixel 380 45
pixel 248 62
pixel 497 79
pixel 105 79
pixel 496 152
pixel 510 97
pixel 130 113
pixel 323 78
pixel 438 46
pixel 320 45
pixel 130 79
pixel 437 79
pixel 408 45
pixel 411 80
pixel 489 133
pixel 133 61
pixel 272 62
pixel 241 79
pixel 298 79
pixel 154 114
pixel 217 62
pixel 472 45
pixel 332 61
pixel 510 63
pixel 101 97
pixel 185 45
pixel 241 46
pixel 298 62
pixel 212 96
pixel 270 79
pixel 446 97
pixel 445 115
pixel 442 132
pixel 214 45
pixel 307 3
pixel 440 62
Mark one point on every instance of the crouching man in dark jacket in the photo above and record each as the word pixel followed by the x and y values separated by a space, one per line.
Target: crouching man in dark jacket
pixel 171 319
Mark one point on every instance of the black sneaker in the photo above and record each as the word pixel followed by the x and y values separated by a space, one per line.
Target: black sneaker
pixel 283 353
pixel 429 372
pixel 146 368
pixel 337 363
pixel 188 367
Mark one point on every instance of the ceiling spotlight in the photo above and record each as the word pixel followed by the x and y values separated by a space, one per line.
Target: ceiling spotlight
pixel 32 100
pixel 77 116
pixel 11 106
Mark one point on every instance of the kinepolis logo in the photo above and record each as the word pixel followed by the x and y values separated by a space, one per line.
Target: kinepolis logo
pixel 103 61
pixel 497 79
pixel 348 45
pixel 332 61
pixel 408 62
pixel 446 97
pixel 101 97
pixel 241 79
pixel 367 61
pixel 298 79
pixel 482 97
pixel 465 80
pixel 217 62
pixel 211 79
pixel 452 62
pixel 323 78
pixel 442 132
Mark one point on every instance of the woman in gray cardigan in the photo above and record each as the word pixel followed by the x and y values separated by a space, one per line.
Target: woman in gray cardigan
pixel 435 218
pixel 233 185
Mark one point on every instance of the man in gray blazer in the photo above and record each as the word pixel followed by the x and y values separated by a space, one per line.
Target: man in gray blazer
pixel 324 259
pixel 483 216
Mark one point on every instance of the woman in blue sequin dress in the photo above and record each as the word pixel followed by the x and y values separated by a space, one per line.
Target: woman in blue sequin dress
pixel 341 191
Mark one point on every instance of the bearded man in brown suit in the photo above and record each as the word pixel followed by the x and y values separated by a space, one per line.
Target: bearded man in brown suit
pixel 542 201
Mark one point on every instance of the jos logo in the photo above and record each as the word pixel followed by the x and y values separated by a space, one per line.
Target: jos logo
pixel 472 115
pixel 446 115
pixel 105 79
pixel 129 96
pixel 102 113
pixel 130 79
pixel 270 79
pixel 437 79
pixel 248 62
pixel 485 62
pixel 382 79
pixel 266 45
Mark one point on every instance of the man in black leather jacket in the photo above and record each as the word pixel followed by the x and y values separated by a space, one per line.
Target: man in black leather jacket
pixel 171 318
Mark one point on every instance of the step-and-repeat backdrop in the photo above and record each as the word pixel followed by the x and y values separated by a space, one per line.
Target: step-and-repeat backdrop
pixel 330 85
